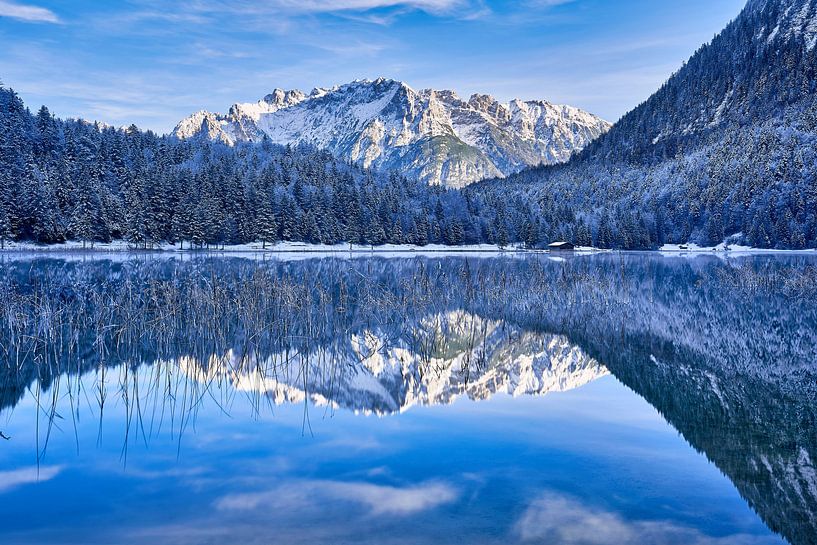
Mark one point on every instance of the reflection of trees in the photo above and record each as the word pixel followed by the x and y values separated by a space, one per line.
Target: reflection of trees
pixel 725 353
pixel 758 430
pixel 732 369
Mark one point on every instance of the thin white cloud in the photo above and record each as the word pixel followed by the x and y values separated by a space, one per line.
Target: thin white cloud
pixel 22 12
pixel 378 499
pixel 390 500
pixel 554 518
pixel 27 475
pixel 548 3
pixel 285 8
pixel 431 6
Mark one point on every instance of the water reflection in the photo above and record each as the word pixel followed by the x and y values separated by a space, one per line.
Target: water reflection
pixel 377 371
pixel 724 350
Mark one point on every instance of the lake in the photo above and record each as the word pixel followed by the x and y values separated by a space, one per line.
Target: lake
pixel 588 399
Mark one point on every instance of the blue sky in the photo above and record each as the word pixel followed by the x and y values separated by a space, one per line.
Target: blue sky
pixel 153 62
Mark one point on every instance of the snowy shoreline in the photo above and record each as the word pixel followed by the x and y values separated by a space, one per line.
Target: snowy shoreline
pixel 73 247
pixel 724 249
pixel 279 247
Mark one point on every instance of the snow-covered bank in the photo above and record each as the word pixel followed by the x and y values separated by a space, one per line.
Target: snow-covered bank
pixel 723 249
pixel 303 250
pixel 254 247
pixel 277 248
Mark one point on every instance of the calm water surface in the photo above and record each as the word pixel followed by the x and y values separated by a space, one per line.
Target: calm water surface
pixel 590 400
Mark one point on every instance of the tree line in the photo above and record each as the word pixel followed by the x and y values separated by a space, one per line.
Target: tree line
pixel 74 180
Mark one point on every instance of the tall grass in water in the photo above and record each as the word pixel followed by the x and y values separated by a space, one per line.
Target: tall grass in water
pixel 220 321
pixel 63 319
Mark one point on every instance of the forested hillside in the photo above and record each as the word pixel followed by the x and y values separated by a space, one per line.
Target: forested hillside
pixel 75 180
pixel 727 148
pixel 761 67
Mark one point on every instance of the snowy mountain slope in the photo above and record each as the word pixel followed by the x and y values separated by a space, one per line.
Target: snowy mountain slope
pixel 385 124
pixel 795 20
pixel 759 66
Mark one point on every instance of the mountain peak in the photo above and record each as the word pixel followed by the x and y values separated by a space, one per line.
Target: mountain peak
pixel 280 97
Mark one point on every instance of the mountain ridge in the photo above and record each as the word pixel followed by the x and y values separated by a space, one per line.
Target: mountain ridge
pixel 433 135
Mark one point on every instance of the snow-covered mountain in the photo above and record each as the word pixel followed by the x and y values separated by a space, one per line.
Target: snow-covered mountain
pixel 429 134
pixel 372 372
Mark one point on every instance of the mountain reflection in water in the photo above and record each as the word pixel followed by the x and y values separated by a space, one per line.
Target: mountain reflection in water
pixel 723 350
pixel 380 372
